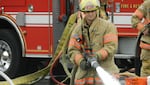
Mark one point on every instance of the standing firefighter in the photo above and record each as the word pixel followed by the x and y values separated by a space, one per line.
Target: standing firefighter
pixel 141 20
pixel 96 38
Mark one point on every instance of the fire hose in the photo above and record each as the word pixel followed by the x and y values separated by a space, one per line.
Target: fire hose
pixel 30 78
pixel 33 77
pixel 36 76
pixel 61 48
pixel 6 78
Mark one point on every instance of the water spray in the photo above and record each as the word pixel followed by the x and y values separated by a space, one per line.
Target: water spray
pixel 106 78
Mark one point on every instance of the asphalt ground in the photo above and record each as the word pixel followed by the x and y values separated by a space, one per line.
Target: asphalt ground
pixel 46 81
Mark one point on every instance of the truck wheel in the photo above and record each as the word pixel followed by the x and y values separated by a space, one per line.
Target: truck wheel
pixel 10 53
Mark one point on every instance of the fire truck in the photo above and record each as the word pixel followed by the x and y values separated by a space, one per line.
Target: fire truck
pixel 31 29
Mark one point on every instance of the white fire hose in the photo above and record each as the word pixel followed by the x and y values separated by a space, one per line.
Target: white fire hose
pixel 6 78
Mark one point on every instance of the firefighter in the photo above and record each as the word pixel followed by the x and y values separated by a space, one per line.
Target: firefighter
pixel 140 20
pixel 96 38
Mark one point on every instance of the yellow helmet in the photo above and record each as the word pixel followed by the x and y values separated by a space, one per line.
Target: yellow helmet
pixel 89 5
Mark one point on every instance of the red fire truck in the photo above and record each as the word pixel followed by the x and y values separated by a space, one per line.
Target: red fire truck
pixel 30 31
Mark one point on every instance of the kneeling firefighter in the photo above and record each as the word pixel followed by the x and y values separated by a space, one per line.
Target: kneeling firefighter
pixel 92 38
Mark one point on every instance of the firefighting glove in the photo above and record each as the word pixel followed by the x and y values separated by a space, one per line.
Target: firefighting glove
pixel 84 65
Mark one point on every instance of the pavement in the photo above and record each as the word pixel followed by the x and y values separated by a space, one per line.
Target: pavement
pixel 46 81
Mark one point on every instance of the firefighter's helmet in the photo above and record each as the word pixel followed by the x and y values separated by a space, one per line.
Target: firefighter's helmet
pixel 89 5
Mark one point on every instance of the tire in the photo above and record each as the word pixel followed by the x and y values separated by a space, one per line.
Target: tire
pixel 10 53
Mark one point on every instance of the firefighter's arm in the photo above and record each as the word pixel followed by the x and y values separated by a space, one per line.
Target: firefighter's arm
pixel 136 22
pixel 75 54
pixel 74 46
pixel 110 40
pixel 137 18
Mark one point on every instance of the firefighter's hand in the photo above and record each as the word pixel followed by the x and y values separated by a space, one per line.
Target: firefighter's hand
pixel 84 65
